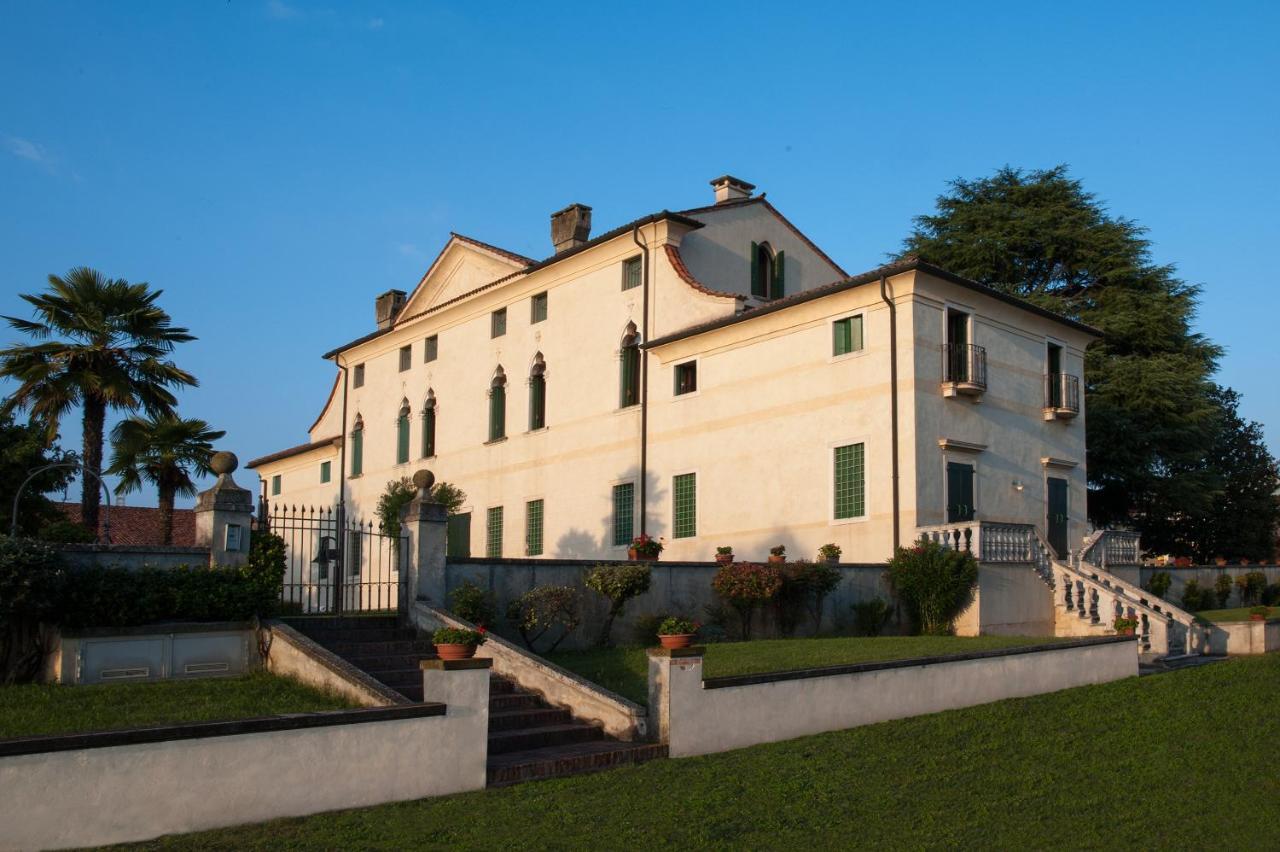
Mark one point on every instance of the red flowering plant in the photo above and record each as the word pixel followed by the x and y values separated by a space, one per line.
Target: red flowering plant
pixel 646 545
pixel 459 636
pixel 747 586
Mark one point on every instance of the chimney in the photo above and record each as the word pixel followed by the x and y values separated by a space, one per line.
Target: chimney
pixel 729 188
pixel 387 306
pixel 570 227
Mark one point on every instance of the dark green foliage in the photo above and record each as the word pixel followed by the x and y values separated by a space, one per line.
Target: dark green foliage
pixel 399 493
pixel 805 587
pixel 1271 595
pixel 448 495
pixel 544 609
pixel 458 636
pixel 66 532
pixel 617 582
pixel 934 583
pixel 474 604
pixel 870 617
pixel 1159 583
pixel 32 581
pixel 1251 586
pixel 646 628
pixel 747 586
pixel 677 625
pixel 1222 589
pixel 1152 417
pixel 22 451
pixel 1194 598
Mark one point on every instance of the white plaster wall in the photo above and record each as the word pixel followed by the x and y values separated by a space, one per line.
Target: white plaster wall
pixel 300 483
pixel 705 721
pixel 92 797
pixel 1244 637
pixel 1011 600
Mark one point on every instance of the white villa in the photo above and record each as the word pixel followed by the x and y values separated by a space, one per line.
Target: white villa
pixel 710 377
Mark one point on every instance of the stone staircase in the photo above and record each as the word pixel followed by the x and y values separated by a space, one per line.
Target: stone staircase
pixel 529 739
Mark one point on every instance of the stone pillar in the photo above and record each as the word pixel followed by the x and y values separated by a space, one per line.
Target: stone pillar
pixel 675 682
pixel 463 687
pixel 425 522
pixel 223 515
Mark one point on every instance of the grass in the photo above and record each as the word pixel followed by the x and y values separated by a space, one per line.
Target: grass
pixel 33 709
pixel 626 670
pixel 1183 760
pixel 1236 614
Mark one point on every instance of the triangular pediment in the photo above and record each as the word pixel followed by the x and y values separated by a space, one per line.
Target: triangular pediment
pixel 462 266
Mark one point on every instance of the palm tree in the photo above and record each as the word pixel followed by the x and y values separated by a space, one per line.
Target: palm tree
pixel 104 346
pixel 163 451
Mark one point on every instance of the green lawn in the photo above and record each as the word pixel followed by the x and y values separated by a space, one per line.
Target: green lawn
pixel 1237 614
pixel 626 670
pixel 32 709
pixel 1183 760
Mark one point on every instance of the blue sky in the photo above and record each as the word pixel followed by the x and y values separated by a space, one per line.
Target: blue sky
pixel 274 165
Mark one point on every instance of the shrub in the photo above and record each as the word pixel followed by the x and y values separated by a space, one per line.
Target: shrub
pixel 617 582
pixel 934 583
pixel 746 586
pixel 542 609
pixel 66 532
pixel 1192 596
pixel 778 550
pixel 829 552
pixel 646 630
pixel 458 636
pixel 805 587
pixel 646 546
pixel 472 603
pixel 1263 611
pixel 724 551
pixel 1222 589
pixel 397 495
pixel 1251 586
pixel 1121 624
pixel 32 580
pixel 1271 595
pixel 870 617
pixel 1159 583
pixel 676 625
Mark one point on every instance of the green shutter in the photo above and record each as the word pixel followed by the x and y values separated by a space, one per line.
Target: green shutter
pixel 497 413
pixel 357 452
pixel 624 513
pixel 779 275
pixel 629 387
pixel 537 403
pixel 757 286
pixel 840 337
pixel 685 515
pixel 402 439
pixel 850 481
pixel 855 334
pixel 429 433
pixel 533 528
pixel 326 471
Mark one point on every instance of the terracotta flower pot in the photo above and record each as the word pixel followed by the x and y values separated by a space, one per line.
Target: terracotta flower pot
pixel 724 558
pixel 1128 631
pixel 453 651
pixel 1253 617
pixel 777 559
pixel 677 640
pixel 632 555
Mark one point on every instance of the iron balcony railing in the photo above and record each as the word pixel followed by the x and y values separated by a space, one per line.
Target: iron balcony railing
pixel 964 364
pixel 1062 392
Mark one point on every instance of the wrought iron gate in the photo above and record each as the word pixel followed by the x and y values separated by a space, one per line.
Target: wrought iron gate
pixel 338 564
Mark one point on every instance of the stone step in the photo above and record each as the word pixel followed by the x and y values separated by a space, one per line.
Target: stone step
pixel 333 636
pixel 425 647
pixel 411 691
pixel 396 678
pixel 501 742
pixel 385 662
pixel 527 718
pixel 576 759
pixel 514 701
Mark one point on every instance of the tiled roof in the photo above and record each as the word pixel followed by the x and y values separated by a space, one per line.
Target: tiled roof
pixel 138 525
pixel 677 263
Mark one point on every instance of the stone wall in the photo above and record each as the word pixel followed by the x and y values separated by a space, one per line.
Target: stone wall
pixel 1206 575
pixel 131 556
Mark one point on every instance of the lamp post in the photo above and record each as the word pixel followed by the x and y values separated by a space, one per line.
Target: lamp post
pixel 106 517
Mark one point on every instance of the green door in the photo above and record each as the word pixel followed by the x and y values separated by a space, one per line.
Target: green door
pixel 1056 522
pixel 457 540
pixel 959 492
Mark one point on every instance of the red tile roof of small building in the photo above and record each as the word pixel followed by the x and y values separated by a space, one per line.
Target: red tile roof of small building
pixel 138 524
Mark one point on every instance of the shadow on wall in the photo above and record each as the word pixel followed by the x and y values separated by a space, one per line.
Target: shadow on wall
pixel 579 543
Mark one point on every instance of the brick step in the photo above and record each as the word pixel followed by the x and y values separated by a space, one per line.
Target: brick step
pixel 501 742
pixel 529 718
pixel 396 678
pixel 559 761
pixel 396 646
pixel 514 701
pixel 386 662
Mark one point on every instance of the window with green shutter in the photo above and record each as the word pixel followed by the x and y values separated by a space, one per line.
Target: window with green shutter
pixel 629 379
pixel 429 426
pixel 849 482
pixel 402 434
pixel 684 521
pixel 493 533
pixel 357 447
pixel 632 272
pixel 357 376
pixel 538 394
pixel 431 350
pixel 498 406
pixel 275 485
pixel 533 528
pixel 686 377
pixel 846 335
pixel 326 471
pixel 498 323
pixel 624 513
pixel 406 357
pixel 538 308
pixel 779 283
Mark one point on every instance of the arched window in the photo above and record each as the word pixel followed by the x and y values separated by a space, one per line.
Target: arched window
pixel 402 433
pixel 429 425
pixel 498 405
pixel 357 446
pixel 767 272
pixel 538 393
pixel 629 380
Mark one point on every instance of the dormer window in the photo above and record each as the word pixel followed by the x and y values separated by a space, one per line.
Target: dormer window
pixel 767 272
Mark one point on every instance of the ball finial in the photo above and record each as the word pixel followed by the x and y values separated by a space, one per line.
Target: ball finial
pixel 423 480
pixel 224 462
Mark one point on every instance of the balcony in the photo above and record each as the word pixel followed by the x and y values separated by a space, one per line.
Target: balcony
pixel 1061 396
pixel 964 370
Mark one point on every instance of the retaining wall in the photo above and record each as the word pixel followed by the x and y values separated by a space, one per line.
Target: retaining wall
pixel 1205 575
pixel 1244 637
pixel 152 652
pixel 132 557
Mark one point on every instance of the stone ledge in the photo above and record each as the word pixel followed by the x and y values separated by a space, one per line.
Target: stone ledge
pixel 198 730
pixel 859 668
pixel 157 629
pixel 550 561
pixel 675 653
pixel 456 665
pixel 128 548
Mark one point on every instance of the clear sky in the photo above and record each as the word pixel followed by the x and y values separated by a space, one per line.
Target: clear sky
pixel 274 165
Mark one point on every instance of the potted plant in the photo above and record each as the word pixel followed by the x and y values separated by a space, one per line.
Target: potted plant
pixel 829 553
pixel 1125 626
pixel 677 632
pixel 457 643
pixel 1259 613
pixel 644 547
pixel 1219 560
pixel 724 555
pixel 778 553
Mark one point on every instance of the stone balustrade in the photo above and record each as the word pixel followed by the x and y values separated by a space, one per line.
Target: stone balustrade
pixel 1112 547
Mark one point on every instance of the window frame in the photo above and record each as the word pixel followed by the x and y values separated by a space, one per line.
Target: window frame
pixel 489 543
pixel 675 507
pixel 613 506
pixel 357 375
pixel 429 424
pixel 326 471
pixel 406 358
pixel 542 526
pixel 277 480
pixel 430 348
pixel 534 301
pixel 860 316
pixel 403 438
pixel 497 323
pixel 634 262
pixel 676 393
pixel 832 446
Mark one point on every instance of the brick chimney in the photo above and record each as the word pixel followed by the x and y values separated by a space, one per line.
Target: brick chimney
pixel 387 307
pixel 570 227
pixel 729 188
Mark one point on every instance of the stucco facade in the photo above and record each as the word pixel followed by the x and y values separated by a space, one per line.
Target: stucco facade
pixel 772 408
